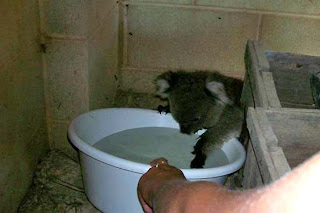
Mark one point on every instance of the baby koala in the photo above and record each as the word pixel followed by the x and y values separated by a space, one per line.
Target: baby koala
pixel 203 100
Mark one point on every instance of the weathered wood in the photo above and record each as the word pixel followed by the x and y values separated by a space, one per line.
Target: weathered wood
pixel 280 79
pixel 279 160
pixel 259 144
pixel 253 68
pixel 297 132
pixel 299 106
pixel 270 88
pixel 263 62
pixel 266 128
pixel 314 112
pixel 291 59
pixel 251 174
pixel 282 138
pixel 297 155
pixel 291 73
pixel 284 127
pixel 292 86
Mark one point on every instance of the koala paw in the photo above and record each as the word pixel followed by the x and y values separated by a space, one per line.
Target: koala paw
pixel 198 162
pixel 200 156
pixel 165 109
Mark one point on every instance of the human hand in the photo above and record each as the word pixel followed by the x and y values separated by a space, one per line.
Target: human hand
pixel 158 176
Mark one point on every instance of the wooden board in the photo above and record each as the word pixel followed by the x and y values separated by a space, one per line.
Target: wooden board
pixel 280 79
pixel 298 133
pixel 260 143
pixel 253 67
pixel 270 88
pixel 284 127
pixel 251 174
pixel 281 139
pixel 291 74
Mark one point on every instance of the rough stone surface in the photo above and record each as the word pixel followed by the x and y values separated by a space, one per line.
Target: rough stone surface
pixel 184 38
pixel 57 187
pixel 67 83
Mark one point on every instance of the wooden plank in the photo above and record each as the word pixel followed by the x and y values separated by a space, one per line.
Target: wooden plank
pixel 295 120
pixel 282 138
pixel 297 155
pixel 292 85
pixel 251 174
pixel 297 131
pixel 291 73
pixel 270 89
pixel 298 106
pixel 253 69
pixel 297 135
pixel 263 62
pixel 291 59
pixel 313 112
pixel 259 143
pixel 266 128
pixel 279 160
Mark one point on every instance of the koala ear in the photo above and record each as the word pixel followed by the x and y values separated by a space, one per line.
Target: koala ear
pixel 163 84
pixel 217 89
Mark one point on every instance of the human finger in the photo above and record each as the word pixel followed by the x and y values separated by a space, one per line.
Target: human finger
pixel 158 161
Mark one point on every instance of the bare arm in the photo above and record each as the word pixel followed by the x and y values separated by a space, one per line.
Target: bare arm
pixel 192 197
pixel 166 190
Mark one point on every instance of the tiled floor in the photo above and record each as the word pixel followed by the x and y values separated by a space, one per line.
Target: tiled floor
pixel 57 187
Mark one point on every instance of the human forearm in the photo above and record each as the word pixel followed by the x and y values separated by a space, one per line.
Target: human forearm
pixel 166 190
pixel 192 197
pixel 168 197
pixel 297 191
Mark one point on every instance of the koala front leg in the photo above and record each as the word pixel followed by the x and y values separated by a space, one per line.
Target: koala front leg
pixel 229 126
pixel 202 148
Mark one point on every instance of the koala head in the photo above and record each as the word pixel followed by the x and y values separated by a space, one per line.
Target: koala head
pixel 196 100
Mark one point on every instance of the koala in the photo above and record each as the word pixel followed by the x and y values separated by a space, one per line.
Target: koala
pixel 203 100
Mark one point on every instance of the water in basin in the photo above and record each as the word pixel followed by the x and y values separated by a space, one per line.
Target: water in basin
pixel 143 145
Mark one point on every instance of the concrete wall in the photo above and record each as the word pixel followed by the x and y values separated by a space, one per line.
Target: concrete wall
pixel 23 133
pixel 81 59
pixel 159 35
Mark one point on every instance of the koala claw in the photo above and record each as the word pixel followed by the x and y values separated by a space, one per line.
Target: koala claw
pixel 165 109
pixel 198 162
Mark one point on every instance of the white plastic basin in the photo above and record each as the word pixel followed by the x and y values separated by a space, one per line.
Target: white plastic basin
pixel 111 182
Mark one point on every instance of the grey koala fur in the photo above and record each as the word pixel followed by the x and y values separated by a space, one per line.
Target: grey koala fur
pixel 203 100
